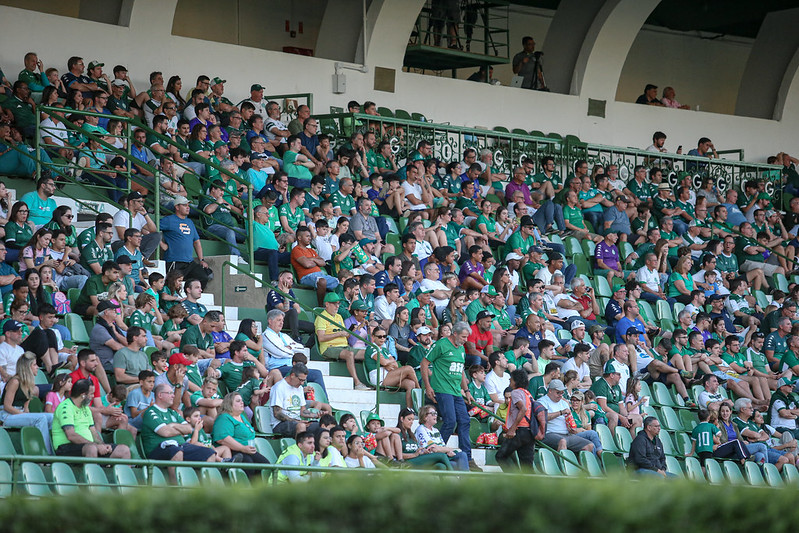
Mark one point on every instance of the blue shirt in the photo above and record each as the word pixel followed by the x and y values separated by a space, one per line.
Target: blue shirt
pixel 611 310
pixel 138 400
pixel 534 339
pixel 625 324
pixel 273 299
pixel 7 270
pixel 382 279
pixel 309 142
pixel 735 216
pixel 257 179
pixel 222 336
pixel 179 235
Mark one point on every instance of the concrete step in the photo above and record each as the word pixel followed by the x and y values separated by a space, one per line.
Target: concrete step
pixel 338 382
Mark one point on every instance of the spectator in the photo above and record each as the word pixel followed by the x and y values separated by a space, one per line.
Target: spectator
pixel 106 338
pixel 219 218
pixel 129 361
pixel 136 217
pixel 527 65
pixel 557 434
pixel 180 236
pixel 288 403
pixel 669 101
pixel 646 451
pixel 74 432
pixel 40 202
pixel 14 412
pixel 281 348
pixel 650 96
pixel 307 264
pixel 233 430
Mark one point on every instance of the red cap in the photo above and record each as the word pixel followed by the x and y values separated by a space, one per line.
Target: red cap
pixel 179 359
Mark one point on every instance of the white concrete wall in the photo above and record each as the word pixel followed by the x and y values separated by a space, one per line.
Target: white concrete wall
pixel 148 45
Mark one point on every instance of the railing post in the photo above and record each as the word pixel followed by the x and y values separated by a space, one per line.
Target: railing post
pixel 38 159
pixel 251 231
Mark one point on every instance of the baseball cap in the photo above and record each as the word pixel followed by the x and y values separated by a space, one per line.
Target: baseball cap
pixel 714 297
pixel 594 329
pixel 783 382
pixel 106 304
pixel 366 240
pixel 557 385
pixel 332 297
pixel 256 87
pixel 763 196
pixel 617 285
pixel 513 255
pixel 181 200
pixel 424 330
pixel 537 249
pixel 217 80
pixel 94 64
pixel 219 144
pixel 358 305
pixel 135 195
pixel 124 260
pixel 489 290
pixel 420 291
pixel 622 198
pixel 610 368
pixel 11 325
pixel 178 359
pixel 526 220
pixel 577 324
pixel 633 331
pixel 119 83
pixel 258 155
pixel 484 314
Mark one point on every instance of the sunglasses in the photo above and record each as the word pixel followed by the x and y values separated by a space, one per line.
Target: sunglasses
pixel 379 336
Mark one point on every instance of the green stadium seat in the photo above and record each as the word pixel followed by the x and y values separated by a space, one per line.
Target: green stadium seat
pixel 125 479
pixel 6 480
pixel 666 324
pixel 693 470
pixel 35 405
pixel 590 463
pixel 603 287
pixel 734 472
pixel 501 129
pixel 6 445
pixel 647 313
pixel 238 477
pixel 285 443
pixel 95 478
pixel 72 296
pixel 661 395
pixel 668 444
pixel 32 441
pixel 772 475
pixel 564 335
pixel 683 442
pixel 538 133
pixel 548 463
pixel 419 117
pixel 402 114
pixel 677 309
pixel 329 127
pixel 77 328
pixel 319 392
pixel 212 477
pixel 669 419
pixel 123 436
pixel 688 419
pixel 569 464
pixel 790 474
pixel 623 439
pixel 157 478
pixel 673 466
pixel 572 246
pixel 589 247
pixel 41 378
pixel 663 311
pixel 611 462
pixel 519 131
pixel 265 449
pixel 780 282
pixel 63 479
pixel 186 476
pixel 263 420
pixel 385 112
pixel 606 438
pixel 417 395
pixel 714 473
pixel 752 473
pixel 33 480
pixel 761 298
pixel 582 265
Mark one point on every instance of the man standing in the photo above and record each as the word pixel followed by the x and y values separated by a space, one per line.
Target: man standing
pixel 181 236
pixel 526 424
pixel 449 386
pixel 136 216
pixel 74 432
pixel 527 64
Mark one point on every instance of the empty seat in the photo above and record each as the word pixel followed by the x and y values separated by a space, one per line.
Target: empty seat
pixel 548 463
pixel 32 441
pixel 212 476
pixel 125 479
pixel 673 466
pixel 186 476
pixel 33 480
pixel 693 469
pixel 714 472
pixel 238 477
pixel 95 478
pixel 63 478
pixel 590 463
pixel 734 473
pixel 569 464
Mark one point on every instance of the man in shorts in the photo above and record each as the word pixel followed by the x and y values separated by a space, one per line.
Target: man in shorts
pixel 333 337
pixel 74 433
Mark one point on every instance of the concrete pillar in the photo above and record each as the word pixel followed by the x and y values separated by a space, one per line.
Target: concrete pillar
pixel 771 67
pixel 341 30
pixel 605 47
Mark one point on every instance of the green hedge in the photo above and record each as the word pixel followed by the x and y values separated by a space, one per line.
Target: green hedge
pixel 402 503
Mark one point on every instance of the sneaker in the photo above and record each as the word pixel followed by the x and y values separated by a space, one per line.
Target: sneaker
pixel 686 374
pixel 237 458
pixel 473 466
pixel 361 386
pixel 689 403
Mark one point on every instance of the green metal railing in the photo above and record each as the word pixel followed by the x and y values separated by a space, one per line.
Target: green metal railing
pixel 510 148
pixel 126 155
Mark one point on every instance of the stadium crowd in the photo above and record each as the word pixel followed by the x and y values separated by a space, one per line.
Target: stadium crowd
pixel 455 277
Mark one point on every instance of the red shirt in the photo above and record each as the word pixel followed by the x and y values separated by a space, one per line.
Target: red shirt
pixel 480 340
pixel 78 374
pixel 585 301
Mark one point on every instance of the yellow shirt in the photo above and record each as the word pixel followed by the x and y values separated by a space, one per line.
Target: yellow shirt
pixel 326 327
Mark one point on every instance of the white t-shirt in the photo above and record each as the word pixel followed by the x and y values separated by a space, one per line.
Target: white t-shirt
pixel 650 278
pixel 581 370
pixel 415 191
pixel 57 132
pixel 290 399
pixel 777 420
pixel 562 311
pixel 324 246
pixel 556 425
pixel 495 384
pixel 423 250
pixel 383 309
pixel 122 219
pixel 9 356
pixel 353 463
pixel 434 284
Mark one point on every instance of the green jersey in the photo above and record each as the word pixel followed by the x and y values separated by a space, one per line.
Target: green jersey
pixel 93 253
pixel 703 435
pixel 480 394
pixel 69 414
pixel 447 362
pixel 758 359
pixel 140 319
pixel 231 373
pixel 574 216
pixel 517 241
pixel 294 218
pixel 152 419
pixel 194 337
pixel 613 395
pixel 536 387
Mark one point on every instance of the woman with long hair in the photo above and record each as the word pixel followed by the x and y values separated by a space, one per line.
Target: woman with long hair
pixel 16 397
pixel 173 88
pixel 412 453
pixel 173 289
pixel 326 454
pixel 19 230
pixel 35 253
pixel 681 283
pixel 456 310
pixel 249 335
pixel 63 219
pixel 197 142
pixel 400 331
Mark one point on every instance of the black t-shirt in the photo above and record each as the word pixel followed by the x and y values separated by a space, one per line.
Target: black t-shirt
pixel 39 341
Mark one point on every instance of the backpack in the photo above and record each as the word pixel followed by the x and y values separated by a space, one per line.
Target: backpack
pixel 535 408
pixel 61 303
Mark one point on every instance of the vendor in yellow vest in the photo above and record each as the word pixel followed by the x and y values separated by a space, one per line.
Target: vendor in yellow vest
pixel 299 454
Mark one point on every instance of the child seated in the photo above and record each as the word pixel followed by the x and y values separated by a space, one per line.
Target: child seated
pixel 140 398
pixel 200 438
pixel 172 330
pixel 159 362
pixel 116 399
pixel 144 316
